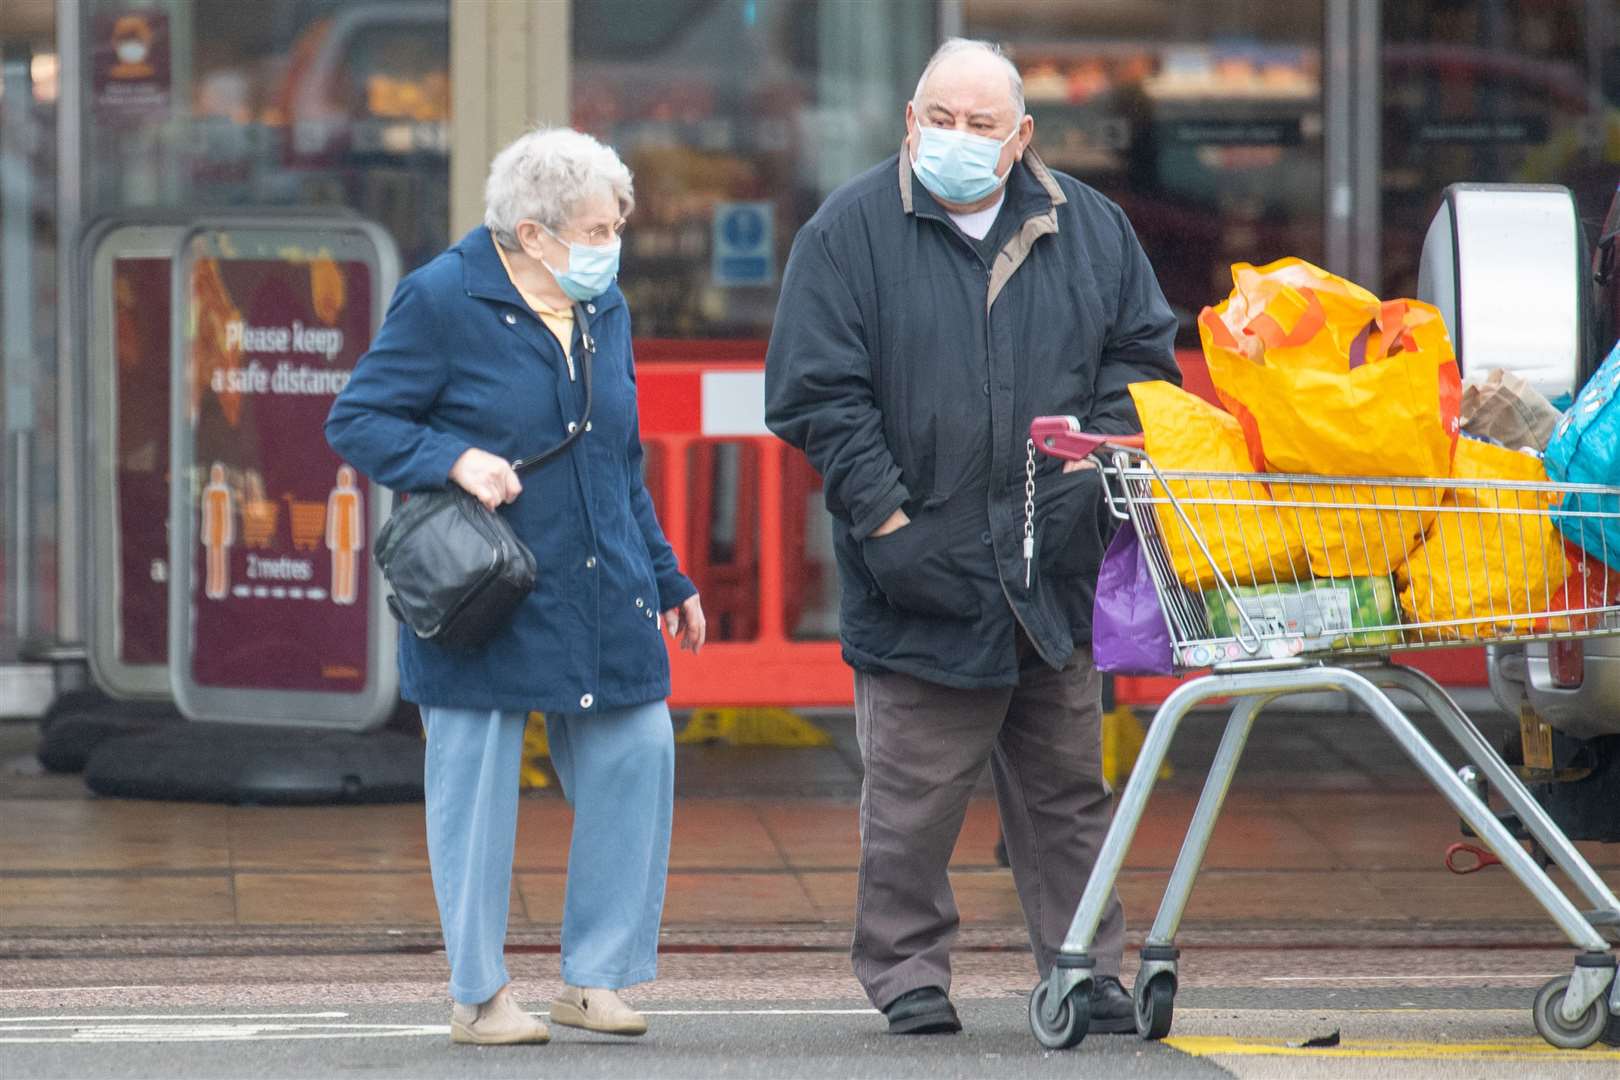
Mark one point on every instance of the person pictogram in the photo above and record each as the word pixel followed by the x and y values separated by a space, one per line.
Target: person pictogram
pixel 132 46
pixel 345 536
pixel 218 532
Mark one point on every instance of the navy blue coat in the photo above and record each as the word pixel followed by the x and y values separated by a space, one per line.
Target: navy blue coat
pixel 461 361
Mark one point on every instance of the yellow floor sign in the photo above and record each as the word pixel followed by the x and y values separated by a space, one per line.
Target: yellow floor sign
pixel 753 727
pixel 536 752
pixel 785 729
pixel 733 727
pixel 1122 737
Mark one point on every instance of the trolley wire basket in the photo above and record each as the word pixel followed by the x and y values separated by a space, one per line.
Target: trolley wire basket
pixel 1313 567
pixel 1282 585
pixel 1405 564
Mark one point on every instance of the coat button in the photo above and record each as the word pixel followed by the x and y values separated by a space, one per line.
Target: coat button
pixel 984 538
pixel 640 602
pixel 572 427
pixel 587 701
pixel 590 309
pixel 511 319
pixel 587 425
pixel 986 389
pixel 590 563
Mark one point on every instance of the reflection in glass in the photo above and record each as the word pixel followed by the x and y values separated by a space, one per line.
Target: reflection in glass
pixel 737 117
pixel 1203 121
pixel 1489 92
pixel 342 103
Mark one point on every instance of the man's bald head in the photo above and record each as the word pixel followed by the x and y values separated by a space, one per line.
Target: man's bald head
pixel 965 61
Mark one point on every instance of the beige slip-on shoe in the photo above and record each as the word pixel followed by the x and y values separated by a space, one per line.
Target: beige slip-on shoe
pixel 500 1021
pixel 597 1010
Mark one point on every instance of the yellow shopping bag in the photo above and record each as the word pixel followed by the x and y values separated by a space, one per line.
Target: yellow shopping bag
pixel 1355 530
pixel 1325 378
pixel 1492 555
pixel 1252 543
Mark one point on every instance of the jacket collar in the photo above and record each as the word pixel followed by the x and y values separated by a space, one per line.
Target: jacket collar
pixel 1029 190
pixel 483 275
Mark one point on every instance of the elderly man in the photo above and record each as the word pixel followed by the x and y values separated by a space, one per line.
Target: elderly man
pixel 931 308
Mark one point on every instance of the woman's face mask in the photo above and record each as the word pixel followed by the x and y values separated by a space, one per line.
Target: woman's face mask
pixel 591 267
pixel 958 166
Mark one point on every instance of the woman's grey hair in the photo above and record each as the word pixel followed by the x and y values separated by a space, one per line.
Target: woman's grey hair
pixel 955 45
pixel 544 175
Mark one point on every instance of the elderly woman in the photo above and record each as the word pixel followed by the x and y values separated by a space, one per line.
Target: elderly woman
pixel 482 360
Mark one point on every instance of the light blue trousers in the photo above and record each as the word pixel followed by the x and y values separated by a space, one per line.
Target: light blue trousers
pixel 618 772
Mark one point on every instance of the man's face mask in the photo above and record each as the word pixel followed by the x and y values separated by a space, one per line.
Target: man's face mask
pixel 958 166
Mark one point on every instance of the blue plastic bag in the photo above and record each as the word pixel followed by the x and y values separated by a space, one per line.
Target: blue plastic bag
pixel 1585 449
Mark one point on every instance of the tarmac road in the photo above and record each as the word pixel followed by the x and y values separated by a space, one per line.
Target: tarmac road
pixel 246 1009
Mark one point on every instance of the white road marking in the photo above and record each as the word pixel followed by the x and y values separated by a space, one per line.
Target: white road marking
pixel 158 1033
pixel 1517 975
pixel 753 1012
pixel 76 989
pixel 248 1027
pixel 175 1016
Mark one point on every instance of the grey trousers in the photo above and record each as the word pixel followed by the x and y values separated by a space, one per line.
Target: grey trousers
pixel 924 747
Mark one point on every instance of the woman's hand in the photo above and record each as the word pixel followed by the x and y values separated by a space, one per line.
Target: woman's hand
pixel 489 479
pixel 688 624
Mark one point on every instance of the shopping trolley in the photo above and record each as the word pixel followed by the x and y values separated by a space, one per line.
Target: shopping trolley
pixel 1257 649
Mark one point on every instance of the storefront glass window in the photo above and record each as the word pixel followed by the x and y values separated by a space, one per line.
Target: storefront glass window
pixel 305 103
pixel 28 94
pixel 1492 92
pixel 1203 121
pixel 738 117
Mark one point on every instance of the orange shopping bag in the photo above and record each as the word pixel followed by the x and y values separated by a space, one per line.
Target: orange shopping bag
pixel 1251 542
pixel 1325 379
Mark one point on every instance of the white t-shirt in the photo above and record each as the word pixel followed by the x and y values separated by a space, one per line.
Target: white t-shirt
pixel 977 224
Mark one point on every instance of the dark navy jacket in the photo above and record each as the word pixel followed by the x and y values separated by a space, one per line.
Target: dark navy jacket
pixel 908 360
pixel 461 361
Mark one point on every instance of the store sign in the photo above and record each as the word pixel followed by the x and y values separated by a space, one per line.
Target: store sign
pixel 278 610
pixel 129 62
pixel 744 249
pixel 1509 131
pixel 1222 132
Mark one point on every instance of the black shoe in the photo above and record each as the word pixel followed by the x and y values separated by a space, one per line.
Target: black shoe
pixel 924 1011
pixel 1112 1010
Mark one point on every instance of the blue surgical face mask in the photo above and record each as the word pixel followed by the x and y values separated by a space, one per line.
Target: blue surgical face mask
pixel 591 268
pixel 958 166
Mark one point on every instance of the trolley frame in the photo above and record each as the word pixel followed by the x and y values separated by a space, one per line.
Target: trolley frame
pixel 1571 1011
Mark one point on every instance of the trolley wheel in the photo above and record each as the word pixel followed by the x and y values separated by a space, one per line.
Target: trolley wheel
pixel 1073 1018
pixel 1155 1005
pixel 1560 1032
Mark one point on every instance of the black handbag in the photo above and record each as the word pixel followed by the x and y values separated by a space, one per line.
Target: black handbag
pixel 456 569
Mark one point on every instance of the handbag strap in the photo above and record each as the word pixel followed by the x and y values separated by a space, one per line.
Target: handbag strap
pixel 588 343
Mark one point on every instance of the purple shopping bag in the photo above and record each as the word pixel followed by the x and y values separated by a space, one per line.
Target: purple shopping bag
pixel 1128 632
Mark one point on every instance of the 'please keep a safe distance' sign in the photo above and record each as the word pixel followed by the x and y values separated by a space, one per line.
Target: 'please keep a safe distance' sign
pixel 276 609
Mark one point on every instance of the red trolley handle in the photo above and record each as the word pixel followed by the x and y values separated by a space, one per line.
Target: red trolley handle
pixel 1061 437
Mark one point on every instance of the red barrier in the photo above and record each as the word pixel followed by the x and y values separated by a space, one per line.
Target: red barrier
pixel 759 581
